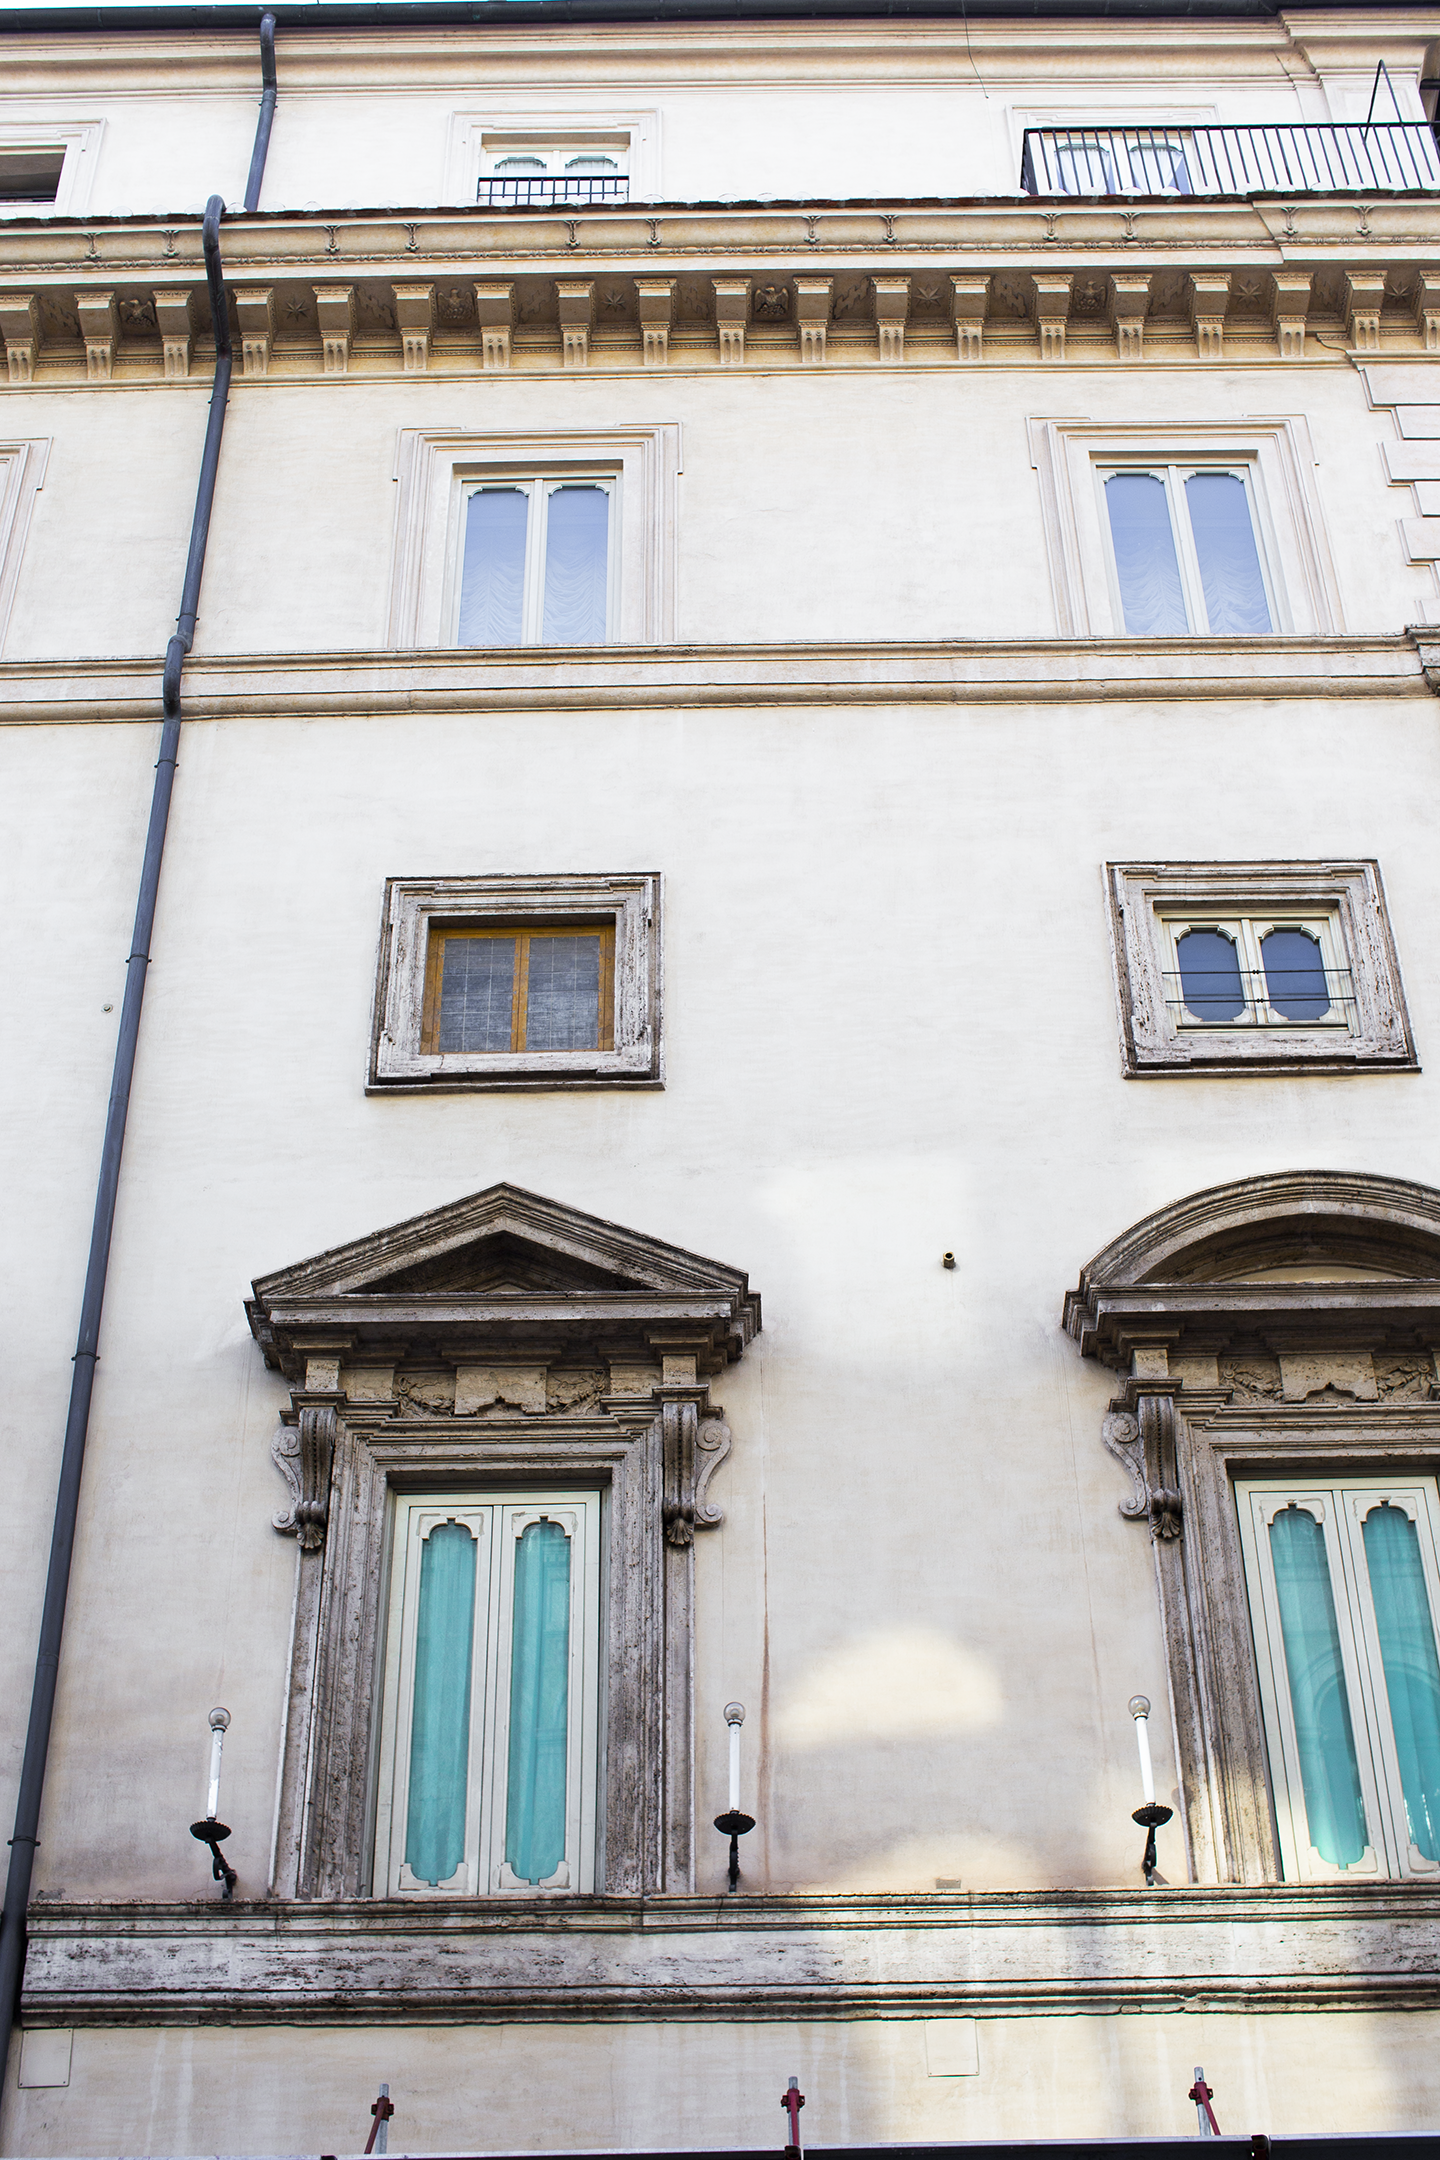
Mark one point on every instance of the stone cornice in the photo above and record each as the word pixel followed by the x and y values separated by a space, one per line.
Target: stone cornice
pixel 697 285
pixel 995 1953
pixel 1042 672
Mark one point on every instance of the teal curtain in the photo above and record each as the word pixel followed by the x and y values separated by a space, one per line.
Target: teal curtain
pixel 440 1722
pixel 1329 1770
pixel 1412 1673
pixel 539 1703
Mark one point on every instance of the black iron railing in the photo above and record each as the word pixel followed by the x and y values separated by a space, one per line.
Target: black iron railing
pixel 1300 160
pixel 540 193
pixel 1261 997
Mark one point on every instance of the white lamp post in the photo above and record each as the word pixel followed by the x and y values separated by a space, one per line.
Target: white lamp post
pixel 733 1824
pixel 1151 1815
pixel 211 1831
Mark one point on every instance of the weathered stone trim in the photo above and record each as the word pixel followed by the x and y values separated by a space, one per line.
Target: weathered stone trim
pixel 993 1953
pixel 1038 672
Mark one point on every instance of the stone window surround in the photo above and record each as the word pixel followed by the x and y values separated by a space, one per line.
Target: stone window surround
pixel 22 475
pixel 1313 1386
pixel 432 467
pixel 80 140
pixel 472 132
pixel 593 1373
pixel 1350 894
pixel 412 905
pixel 1066 453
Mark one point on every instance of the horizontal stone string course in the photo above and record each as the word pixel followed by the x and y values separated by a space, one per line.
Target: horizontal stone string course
pixel 996 1953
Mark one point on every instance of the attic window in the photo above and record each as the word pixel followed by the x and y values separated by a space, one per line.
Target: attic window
pixel 506 982
pixel 31 175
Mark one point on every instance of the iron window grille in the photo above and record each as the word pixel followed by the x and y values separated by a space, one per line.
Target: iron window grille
pixel 539 191
pixel 1303 158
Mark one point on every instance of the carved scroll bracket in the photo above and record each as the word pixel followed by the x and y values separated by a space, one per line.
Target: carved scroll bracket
pixel 1142 1438
pixel 696 1442
pixel 302 1452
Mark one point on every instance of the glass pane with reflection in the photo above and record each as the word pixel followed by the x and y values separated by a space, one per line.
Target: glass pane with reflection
pixel 492 573
pixel 1229 562
pixel 1145 561
pixel 1295 975
pixel 1210 978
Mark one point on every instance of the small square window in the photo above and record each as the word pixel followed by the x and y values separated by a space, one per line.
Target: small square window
pixel 31 175
pixel 505 982
pixel 1245 967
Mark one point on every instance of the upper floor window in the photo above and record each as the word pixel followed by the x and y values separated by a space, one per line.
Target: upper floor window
pixel 1306 157
pixel 520 987
pixel 47 167
pixel 536 565
pixel 1255 971
pixel 522 174
pixel 1344 1589
pixel 1185 551
pixel 30 175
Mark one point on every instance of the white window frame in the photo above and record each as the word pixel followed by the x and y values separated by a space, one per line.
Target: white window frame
pixel 1149 904
pixel 22 475
pixel 1172 476
pixel 1248 933
pixel 80 141
pixel 496 1521
pixel 538 490
pixel 476 139
pixel 415 906
pixel 1340 1508
pixel 1278 461
pixel 434 470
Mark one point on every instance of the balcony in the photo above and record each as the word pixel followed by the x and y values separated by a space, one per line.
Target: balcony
pixel 1300 160
pixel 543 191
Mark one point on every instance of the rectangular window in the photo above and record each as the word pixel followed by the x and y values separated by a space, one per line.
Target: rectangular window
pixel 31 175
pixel 489 1726
pixel 537 562
pixel 1184 550
pixel 1344 1590
pixel 531 172
pixel 1256 971
pixel 520 988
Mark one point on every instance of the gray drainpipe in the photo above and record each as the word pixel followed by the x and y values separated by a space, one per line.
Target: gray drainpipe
pixel 67 1502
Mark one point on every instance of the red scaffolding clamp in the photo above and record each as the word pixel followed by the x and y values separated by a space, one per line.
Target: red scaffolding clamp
pixel 792 2100
pixel 1201 2094
pixel 383 2109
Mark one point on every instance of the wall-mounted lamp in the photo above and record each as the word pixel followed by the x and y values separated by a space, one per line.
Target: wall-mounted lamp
pixel 212 1831
pixel 732 1823
pixel 1152 1815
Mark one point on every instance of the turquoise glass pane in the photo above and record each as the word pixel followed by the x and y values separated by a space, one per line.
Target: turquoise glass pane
pixel 1145 560
pixel 1225 546
pixel 440 1722
pixel 1412 1672
pixel 1329 1770
pixel 539 1704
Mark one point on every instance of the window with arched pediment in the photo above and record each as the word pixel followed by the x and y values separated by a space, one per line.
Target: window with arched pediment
pixel 1278 1413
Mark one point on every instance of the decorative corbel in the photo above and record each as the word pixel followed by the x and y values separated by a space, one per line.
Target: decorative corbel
pixel 303 1453
pixel 1142 1438
pixel 695 1441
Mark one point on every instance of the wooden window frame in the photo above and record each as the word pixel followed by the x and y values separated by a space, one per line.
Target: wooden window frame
pixel 417 912
pixel 522 934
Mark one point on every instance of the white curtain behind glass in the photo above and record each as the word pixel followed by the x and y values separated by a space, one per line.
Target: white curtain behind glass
pixel 1229 563
pixel 577 536
pixel 1145 562
pixel 492 575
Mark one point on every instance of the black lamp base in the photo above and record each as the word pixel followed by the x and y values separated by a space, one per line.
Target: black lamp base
pixel 1150 1817
pixel 210 1833
pixel 733 1824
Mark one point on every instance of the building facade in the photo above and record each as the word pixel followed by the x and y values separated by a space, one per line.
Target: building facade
pixel 788 1062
